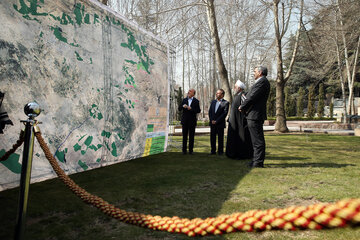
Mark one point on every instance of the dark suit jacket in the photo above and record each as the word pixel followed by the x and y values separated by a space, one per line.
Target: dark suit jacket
pixel 189 116
pixel 220 114
pixel 255 104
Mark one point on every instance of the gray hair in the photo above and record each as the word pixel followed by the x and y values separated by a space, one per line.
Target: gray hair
pixel 262 69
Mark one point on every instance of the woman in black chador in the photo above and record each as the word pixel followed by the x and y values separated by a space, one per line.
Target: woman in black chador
pixel 238 145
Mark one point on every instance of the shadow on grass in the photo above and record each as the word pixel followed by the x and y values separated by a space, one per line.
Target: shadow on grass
pixel 306 165
pixel 274 157
pixel 167 184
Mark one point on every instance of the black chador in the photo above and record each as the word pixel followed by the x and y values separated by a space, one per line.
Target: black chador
pixel 238 143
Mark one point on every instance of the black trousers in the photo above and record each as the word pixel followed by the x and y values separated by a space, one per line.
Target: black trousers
pixel 188 130
pixel 219 131
pixel 258 141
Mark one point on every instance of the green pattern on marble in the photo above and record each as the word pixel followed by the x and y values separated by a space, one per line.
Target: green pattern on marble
pixel 81 137
pixel 83 165
pixel 121 138
pixel 77 147
pixel 60 155
pixel 78 15
pixel 95 113
pixel 78 56
pixel 144 60
pixel 26 10
pixel 12 163
pixel 96 18
pixel 114 151
pixel 88 141
pixel 106 134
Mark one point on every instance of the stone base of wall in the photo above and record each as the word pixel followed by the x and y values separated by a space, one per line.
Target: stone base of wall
pixel 357 132
pixel 334 126
pixel 269 122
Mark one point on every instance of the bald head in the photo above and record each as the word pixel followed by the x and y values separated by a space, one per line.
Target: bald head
pixel 191 93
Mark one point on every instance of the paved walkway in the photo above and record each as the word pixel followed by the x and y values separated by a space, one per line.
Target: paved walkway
pixel 293 126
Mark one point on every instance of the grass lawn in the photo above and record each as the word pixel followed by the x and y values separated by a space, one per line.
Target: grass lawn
pixel 301 169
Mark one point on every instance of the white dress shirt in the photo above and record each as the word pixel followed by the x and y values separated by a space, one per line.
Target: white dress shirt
pixel 217 104
pixel 190 101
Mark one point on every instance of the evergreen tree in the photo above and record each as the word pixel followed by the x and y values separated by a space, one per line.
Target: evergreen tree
pixel 331 109
pixel 290 106
pixel 287 100
pixel 305 71
pixel 179 98
pixel 271 102
pixel 311 101
pixel 321 104
pixel 300 102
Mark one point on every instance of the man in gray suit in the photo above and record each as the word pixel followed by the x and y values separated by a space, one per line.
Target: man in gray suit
pixel 254 107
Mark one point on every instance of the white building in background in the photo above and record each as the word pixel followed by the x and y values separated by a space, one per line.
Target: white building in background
pixel 338 110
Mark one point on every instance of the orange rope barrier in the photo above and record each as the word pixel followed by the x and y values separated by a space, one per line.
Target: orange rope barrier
pixel 14 147
pixel 318 216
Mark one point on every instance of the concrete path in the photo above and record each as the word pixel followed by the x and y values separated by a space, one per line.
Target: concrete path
pixel 293 126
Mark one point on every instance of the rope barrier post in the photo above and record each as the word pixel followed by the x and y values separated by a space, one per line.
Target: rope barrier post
pixel 32 110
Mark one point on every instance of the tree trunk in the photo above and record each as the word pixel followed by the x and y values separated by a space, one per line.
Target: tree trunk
pixel 204 97
pixel 235 62
pixel 245 71
pixel 189 72
pixel 211 91
pixel 197 64
pixel 183 65
pixel 213 76
pixel 351 85
pixel 342 82
pixel 215 37
pixel 347 64
pixel 280 125
pixel 229 64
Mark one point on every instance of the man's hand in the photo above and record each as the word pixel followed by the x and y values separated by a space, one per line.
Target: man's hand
pixel 213 122
pixel 239 109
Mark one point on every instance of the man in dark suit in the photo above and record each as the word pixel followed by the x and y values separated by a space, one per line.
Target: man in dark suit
pixel 190 107
pixel 218 111
pixel 254 107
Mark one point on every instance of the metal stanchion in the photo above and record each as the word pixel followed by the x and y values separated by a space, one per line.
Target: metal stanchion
pixel 32 110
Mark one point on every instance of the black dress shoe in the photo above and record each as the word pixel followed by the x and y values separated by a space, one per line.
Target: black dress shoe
pixel 212 153
pixel 190 153
pixel 221 153
pixel 184 153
